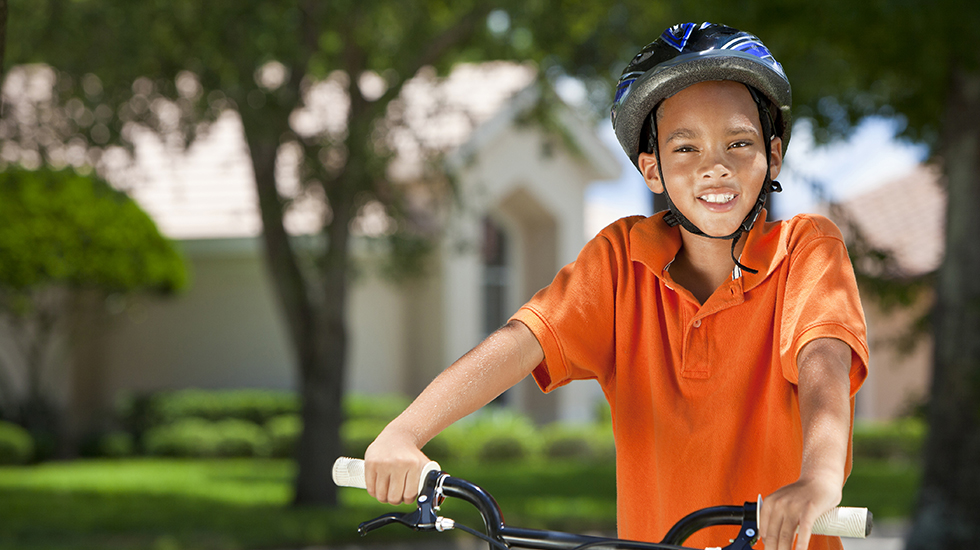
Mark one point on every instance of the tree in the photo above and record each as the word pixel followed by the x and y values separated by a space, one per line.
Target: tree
pixel 63 234
pixel 175 66
pixel 846 61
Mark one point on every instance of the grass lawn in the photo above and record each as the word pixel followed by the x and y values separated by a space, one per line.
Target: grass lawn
pixel 229 504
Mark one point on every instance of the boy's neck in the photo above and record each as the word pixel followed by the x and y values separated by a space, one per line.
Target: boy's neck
pixel 704 264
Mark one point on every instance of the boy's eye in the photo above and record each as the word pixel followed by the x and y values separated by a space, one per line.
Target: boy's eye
pixel 741 143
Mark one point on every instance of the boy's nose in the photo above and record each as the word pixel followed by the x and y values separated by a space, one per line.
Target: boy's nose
pixel 714 167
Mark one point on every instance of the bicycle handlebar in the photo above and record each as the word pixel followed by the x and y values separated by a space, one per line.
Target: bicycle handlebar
pixel 434 486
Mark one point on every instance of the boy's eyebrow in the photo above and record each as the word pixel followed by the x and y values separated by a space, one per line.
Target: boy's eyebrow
pixel 681 133
pixel 742 129
pixel 687 133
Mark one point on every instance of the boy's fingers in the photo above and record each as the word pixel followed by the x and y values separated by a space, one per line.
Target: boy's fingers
pixel 396 489
pixel 411 484
pixel 370 479
pixel 381 488
pixel 803 537
pixel 763 522
pixel 786 533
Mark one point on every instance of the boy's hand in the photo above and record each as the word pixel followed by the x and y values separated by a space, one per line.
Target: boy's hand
pixel 392 466
pixel 795 507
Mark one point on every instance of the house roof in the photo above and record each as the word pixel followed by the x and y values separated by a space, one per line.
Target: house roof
pixel 208 191
pixel 906 217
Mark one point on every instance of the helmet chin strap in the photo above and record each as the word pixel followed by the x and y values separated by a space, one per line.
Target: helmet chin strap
pixel 674 216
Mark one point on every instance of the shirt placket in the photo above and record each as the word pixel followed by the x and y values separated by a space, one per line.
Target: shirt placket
pixel 697 357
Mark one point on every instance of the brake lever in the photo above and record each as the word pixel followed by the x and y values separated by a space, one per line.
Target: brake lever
pixel 422 519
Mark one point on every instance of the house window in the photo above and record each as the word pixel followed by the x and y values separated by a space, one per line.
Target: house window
pixel 496 274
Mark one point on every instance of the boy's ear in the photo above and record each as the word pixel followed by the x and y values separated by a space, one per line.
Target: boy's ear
pixel 776 157
pixel 648 167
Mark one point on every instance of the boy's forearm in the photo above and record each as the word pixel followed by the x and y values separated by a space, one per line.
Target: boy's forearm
pixel 825 408
pixel 502 360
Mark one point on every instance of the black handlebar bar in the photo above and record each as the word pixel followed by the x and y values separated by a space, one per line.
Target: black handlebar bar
pixel 439 486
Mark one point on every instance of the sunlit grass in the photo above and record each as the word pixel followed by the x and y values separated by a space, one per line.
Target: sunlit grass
pixel 160 504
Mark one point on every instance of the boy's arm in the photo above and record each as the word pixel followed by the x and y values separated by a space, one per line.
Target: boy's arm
pixel 825 413
pixel 394 461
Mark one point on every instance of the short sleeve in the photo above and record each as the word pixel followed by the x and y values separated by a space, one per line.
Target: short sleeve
pixel 821 299
pixel 573 318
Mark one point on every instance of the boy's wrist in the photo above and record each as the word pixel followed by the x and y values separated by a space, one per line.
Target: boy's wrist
pixel 403 434
pixel 831 476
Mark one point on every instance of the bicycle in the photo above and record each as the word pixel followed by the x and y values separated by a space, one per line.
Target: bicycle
pixel 435 486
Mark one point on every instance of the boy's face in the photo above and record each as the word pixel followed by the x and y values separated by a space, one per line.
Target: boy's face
pixel 714 159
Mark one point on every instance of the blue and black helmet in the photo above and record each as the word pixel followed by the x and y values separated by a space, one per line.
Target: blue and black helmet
pixel 687 54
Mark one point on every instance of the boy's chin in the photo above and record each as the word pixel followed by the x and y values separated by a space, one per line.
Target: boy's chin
pixel 716 230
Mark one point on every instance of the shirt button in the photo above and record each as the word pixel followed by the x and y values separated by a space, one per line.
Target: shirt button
pixel 697 323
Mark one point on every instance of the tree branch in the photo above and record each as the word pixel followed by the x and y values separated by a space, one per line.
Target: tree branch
pixel 450 38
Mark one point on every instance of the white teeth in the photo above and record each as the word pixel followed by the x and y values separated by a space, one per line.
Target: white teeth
pixel 718 199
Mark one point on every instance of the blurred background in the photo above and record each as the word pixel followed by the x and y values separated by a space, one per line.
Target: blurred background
pixel 237 237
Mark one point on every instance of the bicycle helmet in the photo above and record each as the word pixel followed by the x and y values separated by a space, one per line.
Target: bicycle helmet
pixel 687 54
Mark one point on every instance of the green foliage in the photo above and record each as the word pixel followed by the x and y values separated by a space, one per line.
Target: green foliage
pixel 886 487
pixel 374 407
pixel 578 442
pixel 116 444
pixel 358 434
pixel 195 437
pixel 196 422
pixel 898 440
pixel 255 405
pixel 284 432
pixel 64 228
pixel 497 435
pixel 16 444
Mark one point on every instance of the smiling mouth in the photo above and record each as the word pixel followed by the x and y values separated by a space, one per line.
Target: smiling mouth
pixel 722 198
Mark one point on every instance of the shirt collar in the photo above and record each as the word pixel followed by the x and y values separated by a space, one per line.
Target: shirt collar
pixel 655 244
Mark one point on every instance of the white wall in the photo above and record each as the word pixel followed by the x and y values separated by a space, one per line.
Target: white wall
pixel 225 331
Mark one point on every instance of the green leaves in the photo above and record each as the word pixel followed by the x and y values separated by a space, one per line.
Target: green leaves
pixel 66 229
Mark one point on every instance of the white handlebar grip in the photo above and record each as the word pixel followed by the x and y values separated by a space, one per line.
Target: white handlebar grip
pixel 844 521
pixel 349 472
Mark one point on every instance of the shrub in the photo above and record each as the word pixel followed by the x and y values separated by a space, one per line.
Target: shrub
pixel 897 440
pixel 591 442
pixel 442 448
pixel 116 444
pixel 256 406
pixel 356 435
pixel 382 408
pixel 560 441
pixel 284 431
pixel 495 436
pixel 189 437
pixel 16 444
pixel 195 437
pixel 241 438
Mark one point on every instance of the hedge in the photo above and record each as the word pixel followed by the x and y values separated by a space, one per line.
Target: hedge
pixel 16 444
pixel 251 422
pixel 195 437
pixel 896 440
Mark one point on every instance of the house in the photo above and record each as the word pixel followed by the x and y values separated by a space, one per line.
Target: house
pixel 518 217
pixel 905 218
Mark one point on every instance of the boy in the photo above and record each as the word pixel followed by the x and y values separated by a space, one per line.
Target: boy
pixel 730 367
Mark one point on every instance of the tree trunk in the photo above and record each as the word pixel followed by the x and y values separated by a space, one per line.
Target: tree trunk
pixel 316 340
pixel 323 374
pixel 948 510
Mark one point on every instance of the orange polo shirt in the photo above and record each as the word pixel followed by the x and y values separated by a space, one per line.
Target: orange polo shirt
pixel 704 399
